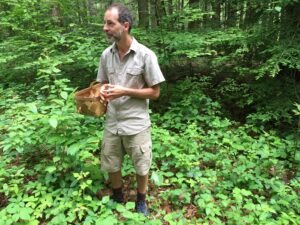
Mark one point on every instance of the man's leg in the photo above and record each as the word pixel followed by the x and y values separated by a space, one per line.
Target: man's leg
pixel 142 183
pixel 117 186
pixel 111 160
pixel 115 179
pixel 139 148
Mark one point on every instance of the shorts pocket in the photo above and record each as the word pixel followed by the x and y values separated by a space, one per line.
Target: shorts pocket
pixel 145 149
pixel 111 158
pixel 142 157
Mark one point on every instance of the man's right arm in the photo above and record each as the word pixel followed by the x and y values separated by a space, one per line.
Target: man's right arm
pixel 102 75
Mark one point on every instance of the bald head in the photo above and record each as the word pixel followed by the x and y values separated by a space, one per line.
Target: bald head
pixel 124 15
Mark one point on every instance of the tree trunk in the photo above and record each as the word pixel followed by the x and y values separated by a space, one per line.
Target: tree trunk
pixel 231 12
pixel 216 7
pixel 170 7
pixel 163 8
pixel 243 8
pixel 290 20
pixel 143 10
pixel 153 13
pixel 161 11
pixel 253 13
pixel 55 15
pixel 78 12
pixel 91 8
pixel 205 17
pixel 193 5
pixel 84 12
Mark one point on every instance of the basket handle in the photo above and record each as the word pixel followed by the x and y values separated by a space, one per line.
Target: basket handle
pixel 101 100
pixel 94 82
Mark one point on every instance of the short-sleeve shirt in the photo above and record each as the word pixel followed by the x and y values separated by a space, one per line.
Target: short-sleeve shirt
pixel 138 69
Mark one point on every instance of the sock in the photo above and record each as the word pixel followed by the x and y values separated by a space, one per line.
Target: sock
pixel 118 195
pixel 141 197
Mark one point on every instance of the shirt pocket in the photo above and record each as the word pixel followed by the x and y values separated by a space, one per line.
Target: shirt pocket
pixel 135 71
pixel 134 77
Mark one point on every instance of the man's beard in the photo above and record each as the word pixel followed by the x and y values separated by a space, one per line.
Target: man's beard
pixel 115 37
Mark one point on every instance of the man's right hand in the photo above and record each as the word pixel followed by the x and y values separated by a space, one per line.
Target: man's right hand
pixel 103 92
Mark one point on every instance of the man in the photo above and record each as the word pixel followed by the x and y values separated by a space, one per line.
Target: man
pixel 131 76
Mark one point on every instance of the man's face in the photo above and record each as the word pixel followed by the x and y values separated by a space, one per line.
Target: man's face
pixel 112 27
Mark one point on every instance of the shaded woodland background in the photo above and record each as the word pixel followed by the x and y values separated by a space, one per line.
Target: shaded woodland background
pixel 225 129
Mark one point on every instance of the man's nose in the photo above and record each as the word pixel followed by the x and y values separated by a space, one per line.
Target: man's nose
pixel 105 27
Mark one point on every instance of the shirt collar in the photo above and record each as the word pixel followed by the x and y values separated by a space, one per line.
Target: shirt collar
pixel 133 46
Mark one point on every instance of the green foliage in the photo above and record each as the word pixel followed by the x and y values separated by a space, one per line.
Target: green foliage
pixel 53 53
pixel 201 160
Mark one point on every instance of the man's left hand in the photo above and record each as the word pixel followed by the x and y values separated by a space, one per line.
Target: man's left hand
pixel 111 92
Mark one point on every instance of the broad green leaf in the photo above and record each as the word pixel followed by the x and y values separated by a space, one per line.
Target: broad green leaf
pixel 25 213
pixel 73 149
pixel 88 198
pixel 5 186
pixel 56 70
pixel 111 220
pixel 64 95
pixel 50 169
pixel 278 8
pixel 169 174
pixel 249 206
pixel 15 217
pixel 245 192
pixel 105 199
pixel 7 147
pixel 45 87
pixel 208 211
pixel 59 219
pixel 12 208
pixel 157 178
pixel 33 108
pixel 19 149
pixel 56 158
pixel 33 222
pixel 128 215
pixel 71 217
pixel 53 122
pixel 130 205
pixel 58 102
pixel 120 208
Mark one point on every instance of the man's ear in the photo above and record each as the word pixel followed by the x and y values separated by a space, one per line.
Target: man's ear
pixel 126 25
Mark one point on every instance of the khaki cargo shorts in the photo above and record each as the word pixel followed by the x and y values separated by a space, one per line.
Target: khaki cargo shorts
pixel 137 146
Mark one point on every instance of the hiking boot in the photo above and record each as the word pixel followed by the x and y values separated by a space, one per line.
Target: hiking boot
pixel 141 207
pixel 117 199
pixel 117 195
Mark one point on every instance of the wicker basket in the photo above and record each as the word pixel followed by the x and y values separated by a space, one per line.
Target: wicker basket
pixel 89 102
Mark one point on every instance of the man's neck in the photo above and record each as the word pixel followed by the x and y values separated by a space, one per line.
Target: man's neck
pixel 124 44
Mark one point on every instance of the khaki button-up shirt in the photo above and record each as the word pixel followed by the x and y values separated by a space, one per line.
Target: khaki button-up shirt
pixel 138 69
